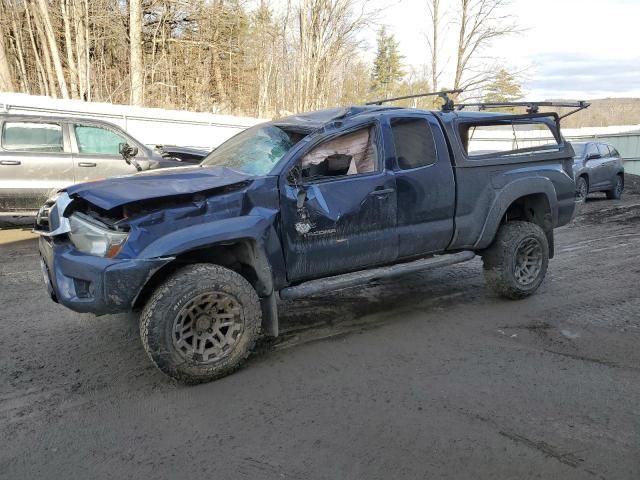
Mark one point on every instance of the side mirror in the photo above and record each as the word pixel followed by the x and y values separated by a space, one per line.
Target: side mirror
pixel 593 156
pixel 127 150
pixel 294 177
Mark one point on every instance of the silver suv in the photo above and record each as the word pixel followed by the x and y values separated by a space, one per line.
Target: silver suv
pixel 39 155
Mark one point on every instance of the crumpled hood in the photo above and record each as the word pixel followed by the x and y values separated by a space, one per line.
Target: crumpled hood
pixel 153 184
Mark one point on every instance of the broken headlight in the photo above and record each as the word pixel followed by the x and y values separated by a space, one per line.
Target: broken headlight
pixel 90 236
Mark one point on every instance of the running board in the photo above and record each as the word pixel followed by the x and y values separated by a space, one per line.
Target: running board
pixel 364 276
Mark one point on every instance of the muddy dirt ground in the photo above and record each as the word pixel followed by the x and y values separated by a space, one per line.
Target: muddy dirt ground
pixel 427 376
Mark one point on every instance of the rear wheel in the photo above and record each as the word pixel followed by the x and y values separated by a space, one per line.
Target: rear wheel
pixel 516 263
pixel 201 323
pixel 618 186
pixel 582 189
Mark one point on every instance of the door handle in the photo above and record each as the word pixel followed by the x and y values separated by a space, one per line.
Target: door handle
pixel 10 162
pixel 87 164
pixel 383 191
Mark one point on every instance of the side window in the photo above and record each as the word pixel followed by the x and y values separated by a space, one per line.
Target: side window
pixel 507 138
pixel 614 152
pixel 414 142
pixel 98 140
pixel 32 137
pixel 350 154
pixel 592 149
pixel 604 150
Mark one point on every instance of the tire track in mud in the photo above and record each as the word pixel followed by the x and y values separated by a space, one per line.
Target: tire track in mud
pixel 295 336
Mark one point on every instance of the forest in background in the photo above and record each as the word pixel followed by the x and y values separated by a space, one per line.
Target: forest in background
pixel 264 58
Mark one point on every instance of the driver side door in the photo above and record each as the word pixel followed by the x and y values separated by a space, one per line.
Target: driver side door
pixel 338 210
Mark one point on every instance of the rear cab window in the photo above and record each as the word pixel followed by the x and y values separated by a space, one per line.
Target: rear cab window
pixel 96 140
pixel 24 136
pixel 507 138
pixel 414 142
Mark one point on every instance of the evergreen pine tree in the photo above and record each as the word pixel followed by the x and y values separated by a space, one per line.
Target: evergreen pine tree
pixel 387 66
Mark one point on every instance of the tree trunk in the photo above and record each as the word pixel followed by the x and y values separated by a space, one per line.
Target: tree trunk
pixel 462 40
pixel 42 46
pixel 24 78
pixel 42 76
pixel 6 81
pixel 53 48
pixel 136 66
pixel 80 31
pixel 434 8
pixel 65 10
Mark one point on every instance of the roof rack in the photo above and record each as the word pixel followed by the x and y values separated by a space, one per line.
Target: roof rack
pixel 532 107
pixel 444 94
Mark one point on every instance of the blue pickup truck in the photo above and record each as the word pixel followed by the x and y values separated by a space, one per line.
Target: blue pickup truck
pixel 302 205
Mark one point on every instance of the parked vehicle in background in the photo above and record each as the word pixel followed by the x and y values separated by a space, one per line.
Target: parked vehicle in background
pixel 186 155
pixel 39 155
pixel 302 205
pixel 597 167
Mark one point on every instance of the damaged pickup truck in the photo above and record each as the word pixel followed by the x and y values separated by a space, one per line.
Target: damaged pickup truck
pixel 302 205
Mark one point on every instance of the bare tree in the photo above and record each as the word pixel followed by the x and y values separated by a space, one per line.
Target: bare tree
pixel 433 40
pixel 43 81
pixel 6 78
pixel 19 50
pixel 66 12
pixel 268 59
pixel 480 22
pixel 326 36
pixel 42 46
pixel 53 47
pixel 80 10
pixel 136 63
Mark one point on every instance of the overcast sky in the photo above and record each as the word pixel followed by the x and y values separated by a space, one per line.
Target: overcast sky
pixel 567 48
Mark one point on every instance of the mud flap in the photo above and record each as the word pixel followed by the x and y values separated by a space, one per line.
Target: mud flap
pixel 269 308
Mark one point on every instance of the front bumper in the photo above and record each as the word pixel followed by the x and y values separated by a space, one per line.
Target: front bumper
pixel 86 283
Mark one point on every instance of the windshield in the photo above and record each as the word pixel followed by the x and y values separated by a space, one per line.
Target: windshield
pixel 579 148
pixel 254 151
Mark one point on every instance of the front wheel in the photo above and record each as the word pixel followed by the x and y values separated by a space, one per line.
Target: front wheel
pixel 516 262
pixel 201 323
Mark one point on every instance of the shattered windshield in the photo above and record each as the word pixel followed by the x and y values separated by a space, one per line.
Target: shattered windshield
pixel 254 151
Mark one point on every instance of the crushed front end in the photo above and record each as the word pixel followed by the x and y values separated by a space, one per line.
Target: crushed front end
pixel 79 265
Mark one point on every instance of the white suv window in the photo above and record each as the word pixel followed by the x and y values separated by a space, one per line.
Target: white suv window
pixel 32 137
pixel 98 140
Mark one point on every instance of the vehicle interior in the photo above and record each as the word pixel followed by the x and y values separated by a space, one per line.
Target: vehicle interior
pixel 350 154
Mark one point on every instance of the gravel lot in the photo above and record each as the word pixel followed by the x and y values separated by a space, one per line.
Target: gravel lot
pixel 428 376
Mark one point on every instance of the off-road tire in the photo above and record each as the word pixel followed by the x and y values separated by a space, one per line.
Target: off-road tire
pixel 168 301
pixel 501 258
pixel 618 186
pixel 582 189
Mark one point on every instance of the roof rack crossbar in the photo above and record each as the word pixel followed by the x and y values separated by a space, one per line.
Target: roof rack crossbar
pixel 444 94
pixel 532 107
pixel 581 106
